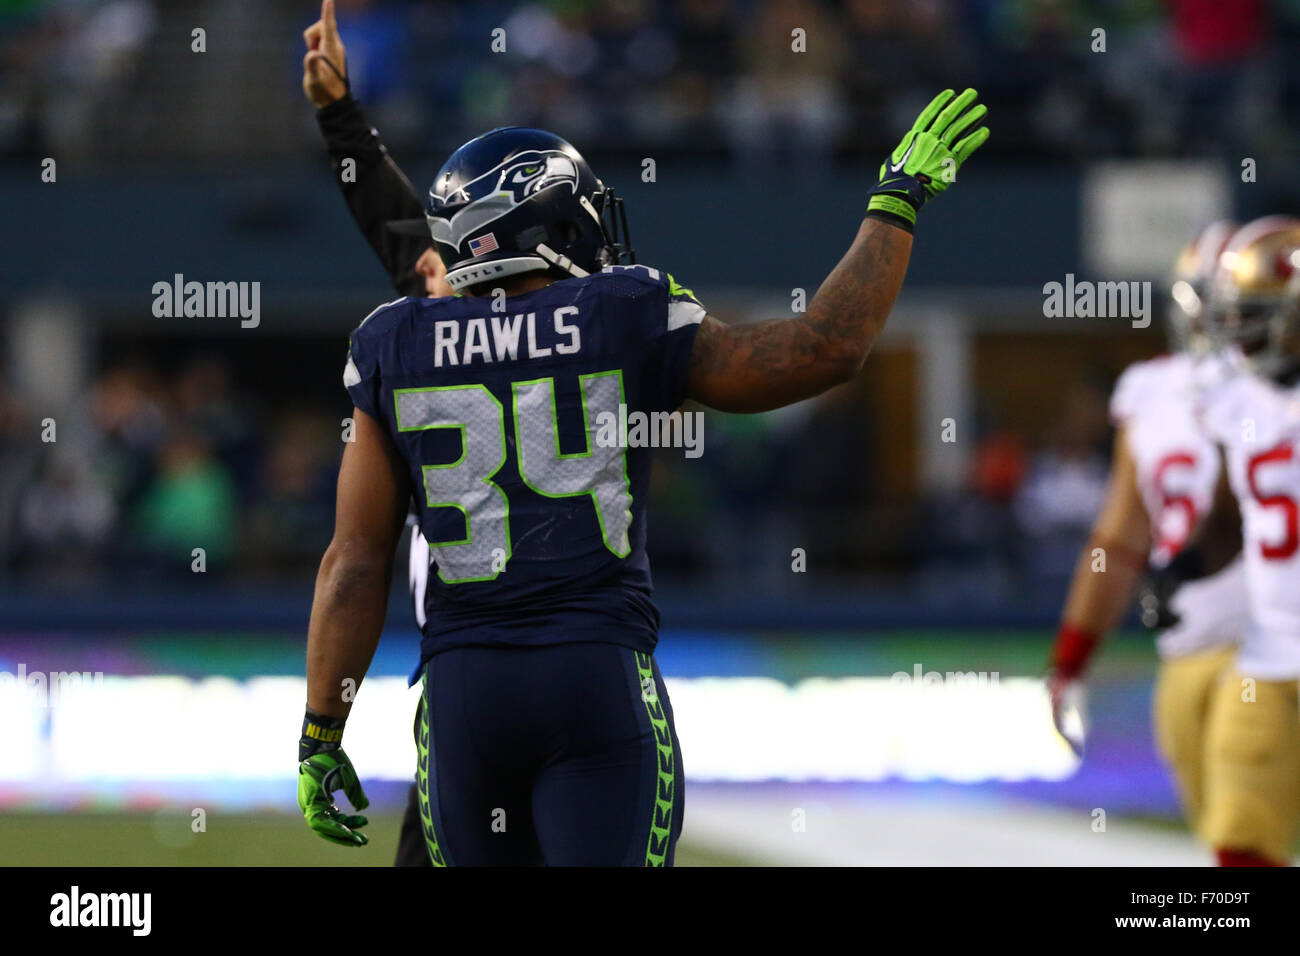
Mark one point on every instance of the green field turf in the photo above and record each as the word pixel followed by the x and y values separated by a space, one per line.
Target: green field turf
pixel 268 839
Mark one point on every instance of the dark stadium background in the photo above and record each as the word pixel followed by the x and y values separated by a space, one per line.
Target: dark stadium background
pixel 953 555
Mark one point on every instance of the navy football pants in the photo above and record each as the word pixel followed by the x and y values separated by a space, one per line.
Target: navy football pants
pixel 562 755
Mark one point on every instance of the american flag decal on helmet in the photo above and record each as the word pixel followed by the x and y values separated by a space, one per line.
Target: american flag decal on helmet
pixel 484 243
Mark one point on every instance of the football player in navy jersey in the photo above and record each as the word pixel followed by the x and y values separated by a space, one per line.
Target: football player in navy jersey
pixel 546 734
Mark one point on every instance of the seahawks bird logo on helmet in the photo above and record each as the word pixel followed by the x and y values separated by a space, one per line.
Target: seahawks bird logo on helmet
pixel 521 176
pixel 497 192
pixel 521 200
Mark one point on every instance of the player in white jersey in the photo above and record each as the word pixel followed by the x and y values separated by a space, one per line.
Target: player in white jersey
pixel 1253 772
pixel 1163 478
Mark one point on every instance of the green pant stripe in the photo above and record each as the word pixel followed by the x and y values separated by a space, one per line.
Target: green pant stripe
pixel 661 822
pixel 422 784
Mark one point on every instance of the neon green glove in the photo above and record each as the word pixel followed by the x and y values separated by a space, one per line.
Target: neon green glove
pixel 323 767
pixel 926 161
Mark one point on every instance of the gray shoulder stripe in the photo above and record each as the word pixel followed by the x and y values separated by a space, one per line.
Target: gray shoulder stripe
pixel 350 374
pixel 682 314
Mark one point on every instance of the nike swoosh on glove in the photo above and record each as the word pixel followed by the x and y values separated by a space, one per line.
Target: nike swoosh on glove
pixel 925 163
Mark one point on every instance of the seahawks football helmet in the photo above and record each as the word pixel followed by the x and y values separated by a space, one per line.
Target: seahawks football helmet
pixel 521 200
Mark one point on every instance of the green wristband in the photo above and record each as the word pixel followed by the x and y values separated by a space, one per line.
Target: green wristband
pixel 893 206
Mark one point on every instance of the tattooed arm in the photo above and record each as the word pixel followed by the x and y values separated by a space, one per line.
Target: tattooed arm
pixel 753 368
pixel 765 365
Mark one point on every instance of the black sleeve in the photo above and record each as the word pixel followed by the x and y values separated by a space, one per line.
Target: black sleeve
pixel 380 192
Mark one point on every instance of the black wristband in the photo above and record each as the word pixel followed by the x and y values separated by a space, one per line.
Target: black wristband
pixel 321 733
pixel 890 218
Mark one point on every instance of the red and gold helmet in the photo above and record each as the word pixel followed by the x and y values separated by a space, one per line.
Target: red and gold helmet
pixel 1255 298
pixel 1189 287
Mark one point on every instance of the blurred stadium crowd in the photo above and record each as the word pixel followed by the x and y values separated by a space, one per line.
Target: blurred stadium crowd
pixel 147 465
pixel 152 460
pixel 699 77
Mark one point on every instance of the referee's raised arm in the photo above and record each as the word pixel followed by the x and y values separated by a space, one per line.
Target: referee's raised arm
pixel 376 190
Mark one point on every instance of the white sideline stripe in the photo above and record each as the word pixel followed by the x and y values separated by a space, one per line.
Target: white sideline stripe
pixel 734 729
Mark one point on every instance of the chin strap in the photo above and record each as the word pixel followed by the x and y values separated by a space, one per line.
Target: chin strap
pixel 559 261
pixel 537 260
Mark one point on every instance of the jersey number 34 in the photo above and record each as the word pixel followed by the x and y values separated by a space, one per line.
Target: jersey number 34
pixel 467 483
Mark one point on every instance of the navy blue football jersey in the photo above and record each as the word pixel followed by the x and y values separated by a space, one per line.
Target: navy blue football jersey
pixel 513 426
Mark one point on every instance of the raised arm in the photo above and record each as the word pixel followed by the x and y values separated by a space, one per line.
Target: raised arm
pixel 765 365
pixel 376 190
